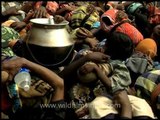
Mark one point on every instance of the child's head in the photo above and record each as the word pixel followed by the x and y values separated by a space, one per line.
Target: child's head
pixel 147 46
pixel 119 46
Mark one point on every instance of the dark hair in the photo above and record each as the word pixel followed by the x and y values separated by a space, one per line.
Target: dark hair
pixel 119 46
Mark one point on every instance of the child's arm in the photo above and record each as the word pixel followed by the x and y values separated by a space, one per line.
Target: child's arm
pixel 103 78
pixel 122 102
pixel 100 74
pixel 71 69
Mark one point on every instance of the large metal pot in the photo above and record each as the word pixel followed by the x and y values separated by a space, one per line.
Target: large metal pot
pixel 49 44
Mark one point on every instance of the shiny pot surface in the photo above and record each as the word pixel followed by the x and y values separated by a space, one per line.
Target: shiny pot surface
pixel 52 41
pixel 51 35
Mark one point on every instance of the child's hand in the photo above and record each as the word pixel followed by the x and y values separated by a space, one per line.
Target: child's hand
pixel 87 68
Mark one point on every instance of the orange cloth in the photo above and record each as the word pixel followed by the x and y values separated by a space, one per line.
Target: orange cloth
pixel 8 23
pixel 117 16
pixel 147 46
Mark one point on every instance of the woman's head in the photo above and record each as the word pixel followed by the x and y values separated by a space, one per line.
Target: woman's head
pixel 119 46
pixel 147 46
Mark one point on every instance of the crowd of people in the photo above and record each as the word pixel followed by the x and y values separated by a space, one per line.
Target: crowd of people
pixel 113 73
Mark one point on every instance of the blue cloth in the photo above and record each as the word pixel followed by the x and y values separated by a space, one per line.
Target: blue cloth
pixel 96 24
pixel 156 65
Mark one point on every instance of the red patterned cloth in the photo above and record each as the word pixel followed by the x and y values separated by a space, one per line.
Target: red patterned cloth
pixel 154 14
pixel 51 6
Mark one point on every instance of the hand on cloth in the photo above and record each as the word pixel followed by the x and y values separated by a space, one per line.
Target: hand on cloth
pixel 92 42
pixel 83 33
pixel 18 26
pixel 58 19
pixel 40 13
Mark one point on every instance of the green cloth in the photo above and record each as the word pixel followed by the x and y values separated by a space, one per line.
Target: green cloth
pixel 145 85
pixel 120 77
pixel 8 34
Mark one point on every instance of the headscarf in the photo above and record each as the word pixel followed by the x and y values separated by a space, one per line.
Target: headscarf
pixel 111 14
pixel 117 16
pixel 147 46
pixel 132 8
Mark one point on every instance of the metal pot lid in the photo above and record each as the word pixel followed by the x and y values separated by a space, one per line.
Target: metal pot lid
pixel 46 21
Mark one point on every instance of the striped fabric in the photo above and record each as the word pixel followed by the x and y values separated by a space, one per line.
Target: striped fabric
pixel 79 14
pixel 147 86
